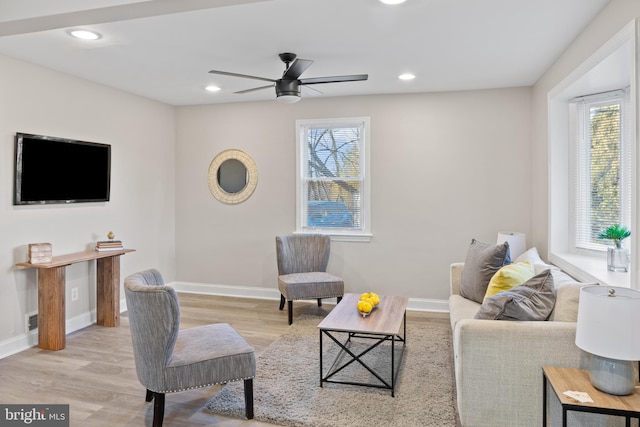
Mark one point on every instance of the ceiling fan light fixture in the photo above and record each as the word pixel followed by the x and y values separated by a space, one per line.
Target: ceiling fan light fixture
pixel 287 91
pixel 288 99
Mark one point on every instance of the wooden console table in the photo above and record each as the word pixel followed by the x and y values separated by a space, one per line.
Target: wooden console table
pixel 51 293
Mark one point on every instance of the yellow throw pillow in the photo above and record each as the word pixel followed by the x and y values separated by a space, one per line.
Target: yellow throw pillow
pixel 509 277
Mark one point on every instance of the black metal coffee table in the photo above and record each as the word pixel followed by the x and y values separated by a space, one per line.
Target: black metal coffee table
pixel 387 323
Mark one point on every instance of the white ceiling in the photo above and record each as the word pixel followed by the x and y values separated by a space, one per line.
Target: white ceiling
pixel 163 49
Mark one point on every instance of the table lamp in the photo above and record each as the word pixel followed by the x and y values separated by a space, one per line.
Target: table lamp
pixel 517 242
pixel 609 328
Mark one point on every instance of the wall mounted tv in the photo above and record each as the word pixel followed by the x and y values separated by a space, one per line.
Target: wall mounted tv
pixel 59 170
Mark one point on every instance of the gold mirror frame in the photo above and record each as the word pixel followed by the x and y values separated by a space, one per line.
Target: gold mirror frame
pixel 252 177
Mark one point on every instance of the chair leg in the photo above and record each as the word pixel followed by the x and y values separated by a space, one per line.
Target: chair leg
pixel 290 310
pixel 248 398
pixel 149 396
pixel 282 300
pixel 158 409
pixel 319 302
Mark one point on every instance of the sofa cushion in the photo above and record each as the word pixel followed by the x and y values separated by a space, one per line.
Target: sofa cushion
pixel 533 300
pixel 567 291
pixel 461 308
pixel 482 262
pixel 509 277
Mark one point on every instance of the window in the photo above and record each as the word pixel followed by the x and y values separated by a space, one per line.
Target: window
pixel 578 201
pixel 601 167
pixel 332 183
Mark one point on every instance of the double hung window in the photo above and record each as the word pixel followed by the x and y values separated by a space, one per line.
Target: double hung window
pixel 332 180
pixel 601 164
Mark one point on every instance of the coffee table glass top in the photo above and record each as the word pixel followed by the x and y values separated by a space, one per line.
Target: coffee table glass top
pixel 385 319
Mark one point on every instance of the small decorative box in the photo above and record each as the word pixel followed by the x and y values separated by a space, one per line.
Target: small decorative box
pixel 40 253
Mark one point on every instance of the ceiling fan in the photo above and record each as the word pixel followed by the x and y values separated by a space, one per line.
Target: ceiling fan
pixel 288 87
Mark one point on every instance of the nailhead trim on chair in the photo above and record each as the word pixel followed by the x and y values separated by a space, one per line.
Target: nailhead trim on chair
pixel 323 297
pixel 204 385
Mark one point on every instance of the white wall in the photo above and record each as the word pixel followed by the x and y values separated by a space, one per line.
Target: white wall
pixel 141 211
pixel 608 23
pixel 445 168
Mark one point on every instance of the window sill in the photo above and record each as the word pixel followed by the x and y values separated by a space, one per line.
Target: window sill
pixel 590 269
pixel 340 236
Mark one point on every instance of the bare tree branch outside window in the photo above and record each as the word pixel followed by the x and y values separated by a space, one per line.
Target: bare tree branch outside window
pixel 334 177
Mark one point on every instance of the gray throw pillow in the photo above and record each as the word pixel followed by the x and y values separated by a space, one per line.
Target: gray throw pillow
pixel 482 262
pixel 533 300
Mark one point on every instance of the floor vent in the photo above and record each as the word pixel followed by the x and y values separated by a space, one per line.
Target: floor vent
pixel 32 321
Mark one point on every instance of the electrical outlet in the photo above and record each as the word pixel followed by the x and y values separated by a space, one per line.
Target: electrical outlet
pixel 74 294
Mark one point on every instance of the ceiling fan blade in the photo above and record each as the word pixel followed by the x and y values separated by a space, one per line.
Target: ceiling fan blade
pixel 308 90
pixel 296 68
pixel 226 73
pixel 254 89
pixel 334 79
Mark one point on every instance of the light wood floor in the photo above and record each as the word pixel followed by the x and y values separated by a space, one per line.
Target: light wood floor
pixel 95 373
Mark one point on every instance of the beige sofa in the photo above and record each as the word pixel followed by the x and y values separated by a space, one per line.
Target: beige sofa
pixel 498 363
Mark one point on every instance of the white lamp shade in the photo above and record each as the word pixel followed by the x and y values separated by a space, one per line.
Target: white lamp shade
pixel 609 326
pixel 517 242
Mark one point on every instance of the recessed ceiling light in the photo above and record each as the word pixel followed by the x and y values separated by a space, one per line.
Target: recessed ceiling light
pixel 212 88
pixel 392 1
pixel 85 34
pixel 407 76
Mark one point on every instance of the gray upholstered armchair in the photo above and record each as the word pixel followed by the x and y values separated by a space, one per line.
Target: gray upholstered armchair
pixel 302 270
pixel 169 359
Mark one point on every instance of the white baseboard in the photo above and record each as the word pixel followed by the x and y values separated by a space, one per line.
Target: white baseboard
pixel 18 343
pixel 22 342
pixel 226 290
pixel 415 304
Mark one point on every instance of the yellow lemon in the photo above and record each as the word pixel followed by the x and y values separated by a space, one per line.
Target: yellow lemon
pixel 364 296
pixel 364 306
pixel 375 299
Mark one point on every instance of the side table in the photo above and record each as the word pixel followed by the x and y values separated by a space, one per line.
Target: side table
pixel 564 379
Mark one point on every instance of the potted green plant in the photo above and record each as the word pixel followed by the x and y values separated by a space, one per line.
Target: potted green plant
pixel 617 256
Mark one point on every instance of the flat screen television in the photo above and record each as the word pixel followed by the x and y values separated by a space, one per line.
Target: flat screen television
pixel 59 170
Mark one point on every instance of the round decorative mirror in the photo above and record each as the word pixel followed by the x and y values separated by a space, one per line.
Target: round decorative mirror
pixel 233 176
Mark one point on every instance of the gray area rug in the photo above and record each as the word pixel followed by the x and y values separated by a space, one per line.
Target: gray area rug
pixel 287 391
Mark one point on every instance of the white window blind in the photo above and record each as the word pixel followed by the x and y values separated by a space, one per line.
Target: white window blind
pixel 332 176
pixel 601 168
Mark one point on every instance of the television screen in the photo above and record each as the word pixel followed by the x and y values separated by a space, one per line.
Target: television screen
pixel 59 170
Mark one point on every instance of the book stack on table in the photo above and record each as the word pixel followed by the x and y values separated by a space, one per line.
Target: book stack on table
pixel 109 245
